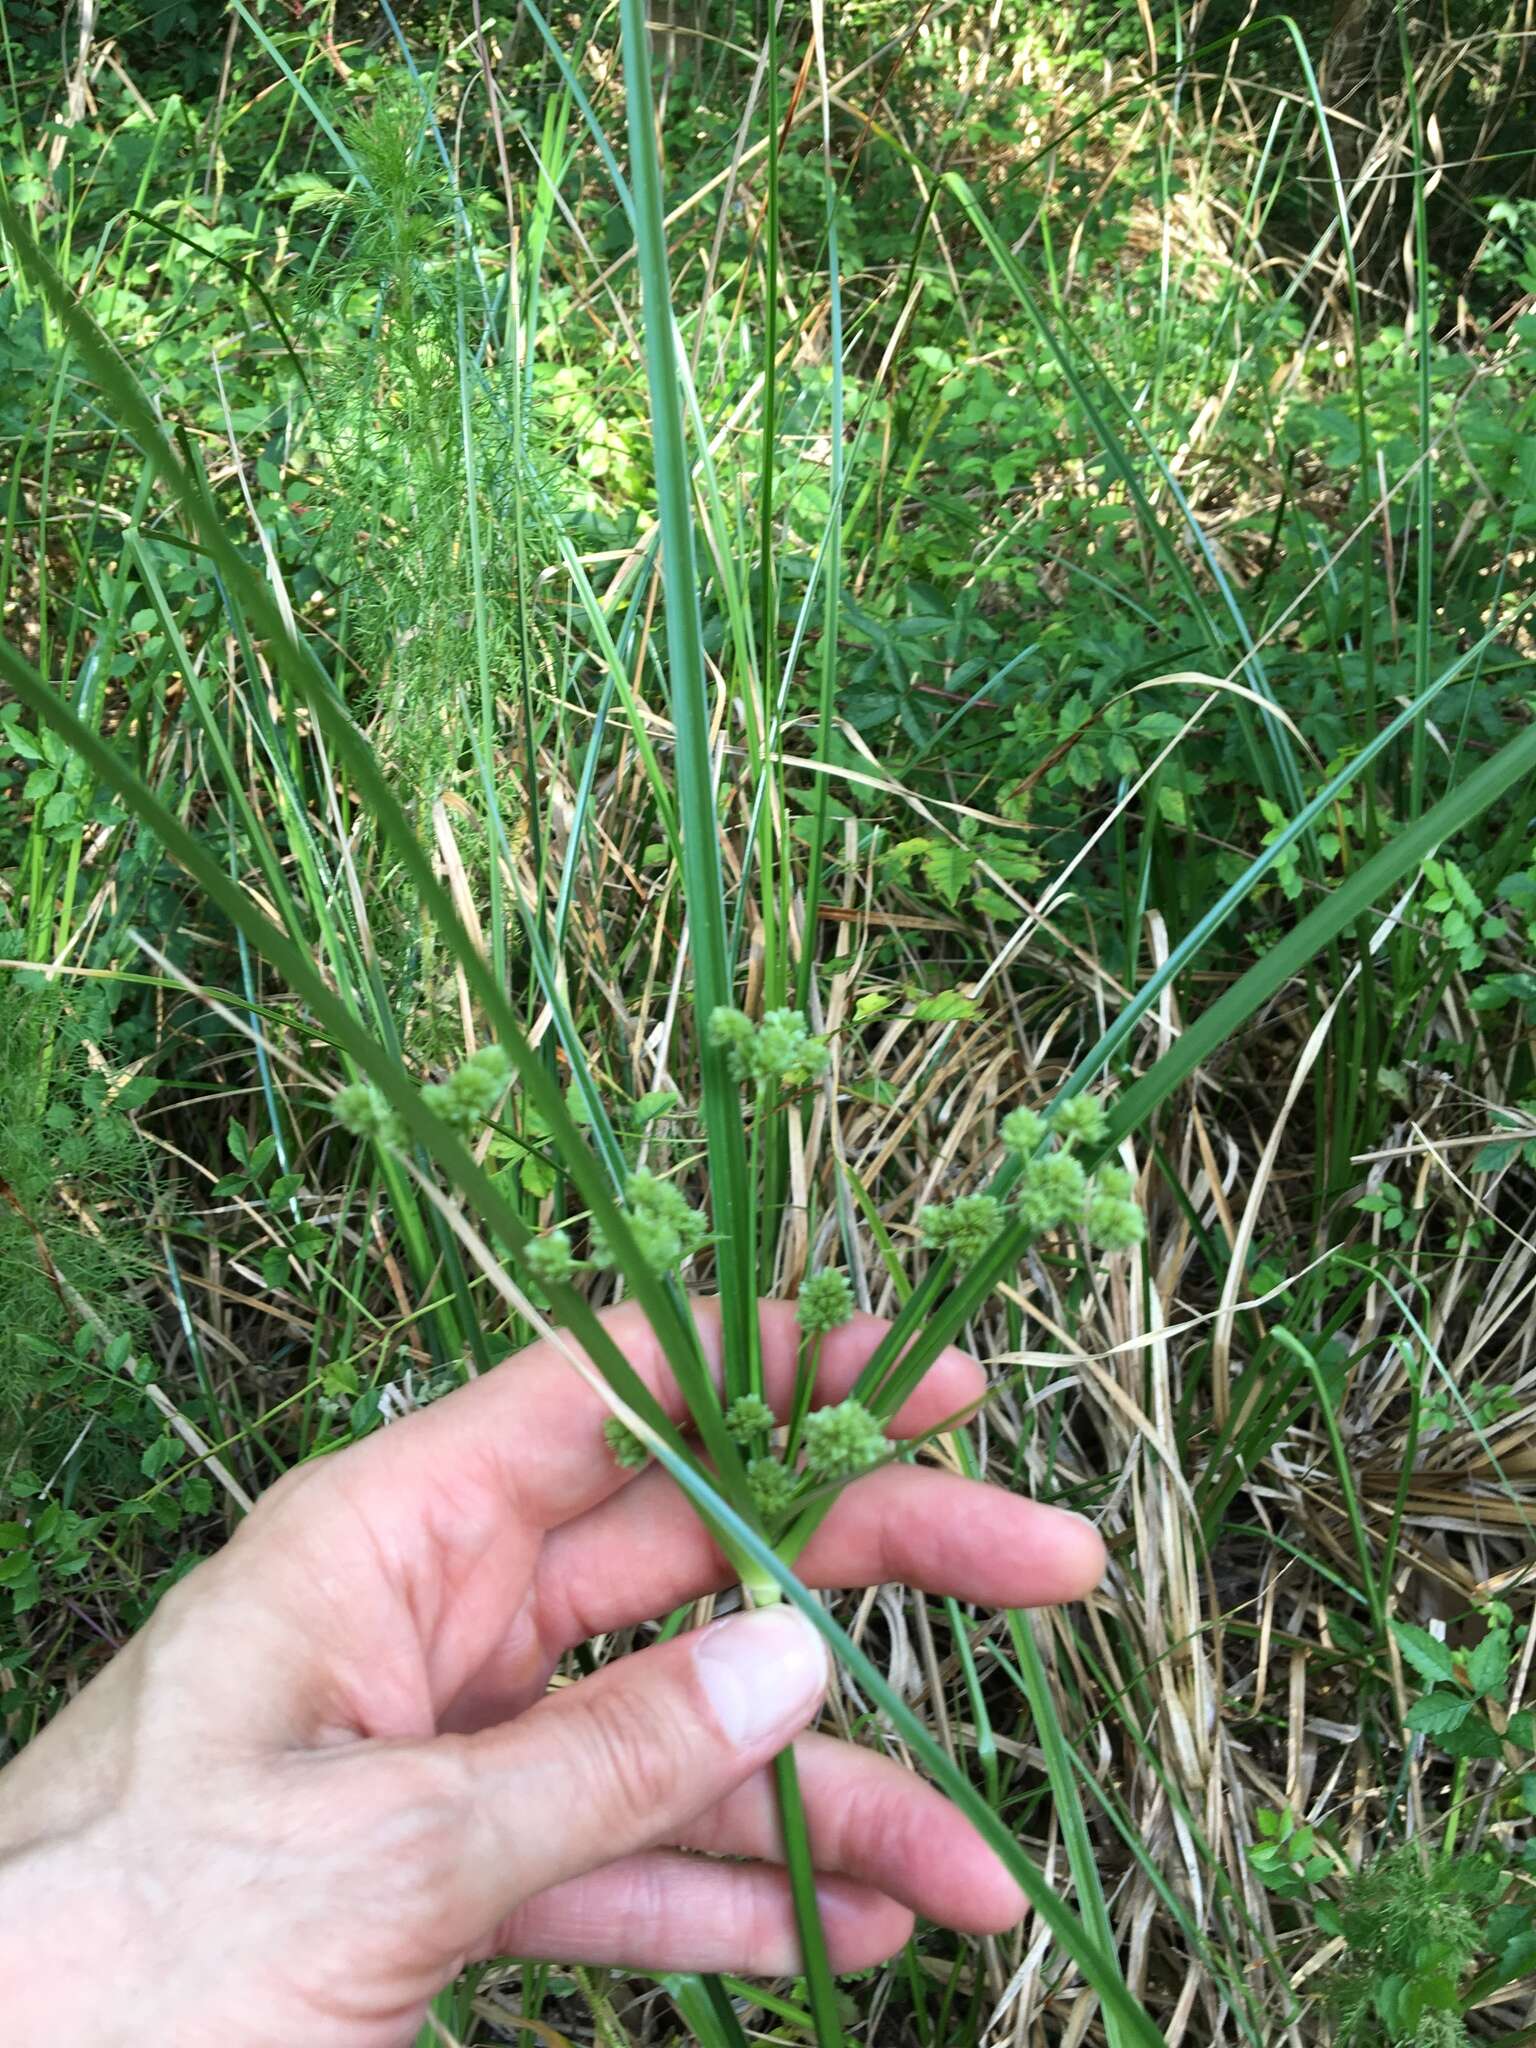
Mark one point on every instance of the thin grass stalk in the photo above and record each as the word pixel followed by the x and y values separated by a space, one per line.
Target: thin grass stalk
pixel 703 883
pixel 1098 1967
pixel 832 571
pixel 1424 613
pixel 1082 1860
pixel 767 584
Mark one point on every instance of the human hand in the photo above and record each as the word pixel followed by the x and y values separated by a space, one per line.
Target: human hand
pixel 329 1772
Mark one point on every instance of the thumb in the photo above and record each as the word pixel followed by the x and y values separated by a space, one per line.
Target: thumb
pixel 625 1758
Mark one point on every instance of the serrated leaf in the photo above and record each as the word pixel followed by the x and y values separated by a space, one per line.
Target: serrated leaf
pixel 1437 1713
pixel 948 868
pixel 653 1105
pixel 1426 1653
pixel 1474 1738
pixel 1488 1665
pixel 948 1007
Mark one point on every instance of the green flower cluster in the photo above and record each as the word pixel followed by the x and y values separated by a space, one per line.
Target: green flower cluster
pixel 772 1486
pixel 1080 1120
pixel 471 1092
pixel 626 1447
pixel 748 1418
pixel 551 1259
pixel 1053 1187
pixel 464 1100
pixel 1024 1131
pixel 780 1049
pixel 842 1441
pixel 361 1109
pixel 825 1303
pixel 1114 1222
pixel 1052 1191
pixel 963 1228
pixel 839 1443
pixel 667 1229
pixel 665 1226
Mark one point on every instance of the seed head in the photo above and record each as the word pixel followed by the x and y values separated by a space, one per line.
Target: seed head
pixel 784 1050
pixel 843 1440
pixel 471 1092
pixel 781 1048
pixel 1114 1223
pixel 362 1109
pixel 1023 1131
pixel 1052 1190
pixel 772 1487
pixel 964 1227
pixel 826 1302
pixel 732 1032
pixel 1080 1120
pixel 664 1226
pixel 550 1258
pixel 626 1447
pixel 748 1418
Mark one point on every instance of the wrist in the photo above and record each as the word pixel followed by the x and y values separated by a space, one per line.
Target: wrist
pixel 70 1968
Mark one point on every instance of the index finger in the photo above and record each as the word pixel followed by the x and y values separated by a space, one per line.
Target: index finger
pixel 534 1426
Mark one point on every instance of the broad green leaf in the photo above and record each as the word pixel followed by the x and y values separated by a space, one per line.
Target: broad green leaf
pixel 1426 1653
pixel 1488 1665
pixel 1438 1713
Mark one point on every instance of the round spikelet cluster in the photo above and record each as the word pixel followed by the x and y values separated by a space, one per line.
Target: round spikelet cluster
pixel 825 1303
pixel 782 1048
pixel 1053 1189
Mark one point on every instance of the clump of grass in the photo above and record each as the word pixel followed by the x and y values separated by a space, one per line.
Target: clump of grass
pixel 72 1180
pixel 1415 1925
pixel 407 442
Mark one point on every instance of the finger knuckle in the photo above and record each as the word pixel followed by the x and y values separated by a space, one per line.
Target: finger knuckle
pixel 274 1504
pixel 633 1754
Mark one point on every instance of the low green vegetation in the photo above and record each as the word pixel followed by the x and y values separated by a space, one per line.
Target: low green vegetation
pixel 876 658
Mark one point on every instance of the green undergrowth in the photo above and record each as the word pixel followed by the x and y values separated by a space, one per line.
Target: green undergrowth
pixel 1020 589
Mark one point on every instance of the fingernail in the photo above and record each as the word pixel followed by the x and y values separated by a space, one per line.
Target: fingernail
pixel 762 1673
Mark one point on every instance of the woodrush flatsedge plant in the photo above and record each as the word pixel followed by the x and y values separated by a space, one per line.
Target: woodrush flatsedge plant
pixel 627 1219
pixel 423 1122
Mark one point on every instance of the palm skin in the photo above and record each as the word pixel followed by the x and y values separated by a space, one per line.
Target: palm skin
pixel 332 1769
